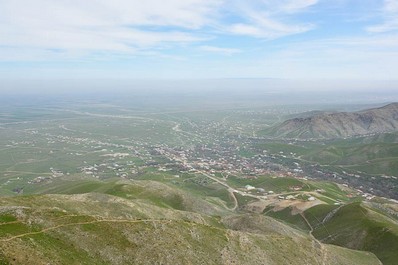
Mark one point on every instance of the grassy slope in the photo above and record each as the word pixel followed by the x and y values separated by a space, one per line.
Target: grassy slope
pixel 294 220
pixel 154 192
pixel 374 155
pixel 357 226
pixel 103 229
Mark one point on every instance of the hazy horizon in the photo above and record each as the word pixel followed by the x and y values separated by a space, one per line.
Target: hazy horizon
pixel 232 92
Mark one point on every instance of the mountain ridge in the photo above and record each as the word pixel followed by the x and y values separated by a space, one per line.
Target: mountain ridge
pixel 340 125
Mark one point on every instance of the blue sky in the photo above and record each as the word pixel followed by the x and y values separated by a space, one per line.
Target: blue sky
pixel 185 39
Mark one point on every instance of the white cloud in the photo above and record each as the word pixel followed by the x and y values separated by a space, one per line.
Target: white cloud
pixel 291 6
pixel 128 26
pixel 214 49
pixel 387 26
pixel 269 19
pixel 100 25
pixel 74 29
pixel 391 6
pixel 389 14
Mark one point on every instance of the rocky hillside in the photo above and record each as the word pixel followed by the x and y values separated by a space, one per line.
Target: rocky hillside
pixel 340 125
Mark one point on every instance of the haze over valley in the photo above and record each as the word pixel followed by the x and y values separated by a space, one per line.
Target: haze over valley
pixel 134 161
pixel 199 132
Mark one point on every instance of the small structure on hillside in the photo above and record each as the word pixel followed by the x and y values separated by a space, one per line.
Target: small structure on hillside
pixel 249 187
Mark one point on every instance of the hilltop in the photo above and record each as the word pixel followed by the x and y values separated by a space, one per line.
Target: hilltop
pixel 340 124
pixel 96 228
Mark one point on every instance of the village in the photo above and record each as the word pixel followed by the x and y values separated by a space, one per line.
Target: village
pixel 214 149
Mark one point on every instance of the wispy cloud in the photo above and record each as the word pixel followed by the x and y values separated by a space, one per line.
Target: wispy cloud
pixel 271 19
pixel 120 25
pixel 78 27
pixel 220 50
pixel 134 36
pixel 292 6
pixel 389 13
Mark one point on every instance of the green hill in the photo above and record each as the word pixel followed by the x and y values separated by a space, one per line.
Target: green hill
pixel 100 228
pixel 356 226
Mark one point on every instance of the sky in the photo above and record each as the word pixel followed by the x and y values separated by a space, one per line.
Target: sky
pixel 196 39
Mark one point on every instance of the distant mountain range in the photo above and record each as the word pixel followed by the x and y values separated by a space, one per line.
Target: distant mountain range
pixel 340 124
